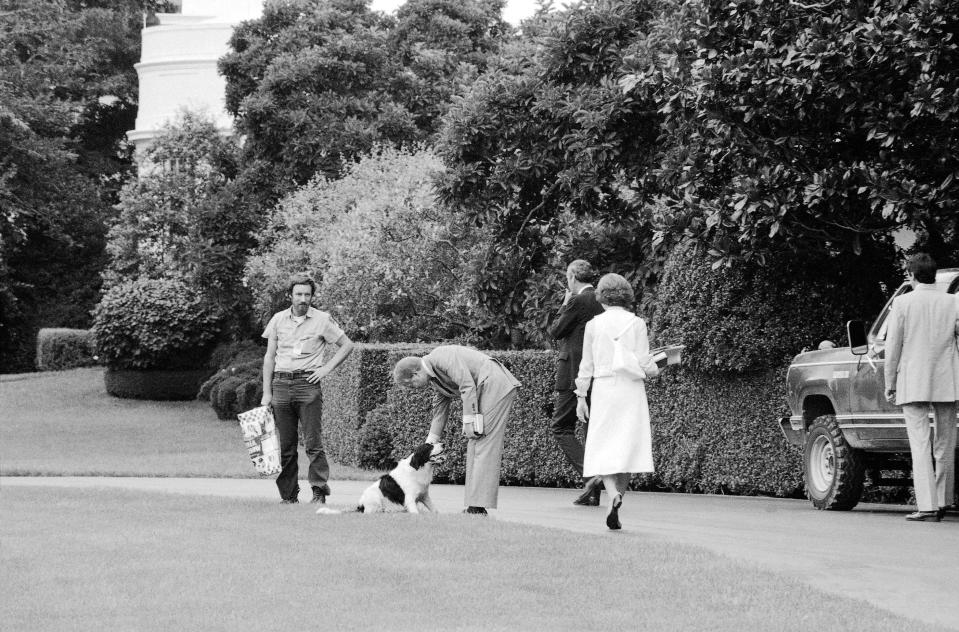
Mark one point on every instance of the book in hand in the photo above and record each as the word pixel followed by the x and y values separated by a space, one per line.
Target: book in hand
pixel 668 355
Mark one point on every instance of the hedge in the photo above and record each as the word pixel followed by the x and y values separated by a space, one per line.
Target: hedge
pixel 154 384
pixel 713 433
pixel 60 348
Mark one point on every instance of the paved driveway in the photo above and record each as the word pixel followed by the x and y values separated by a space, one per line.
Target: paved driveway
pixel 870 553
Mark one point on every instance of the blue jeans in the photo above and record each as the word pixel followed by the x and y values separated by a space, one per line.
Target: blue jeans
pixel 297 403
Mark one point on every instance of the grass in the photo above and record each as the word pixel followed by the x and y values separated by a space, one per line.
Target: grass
pixel 64 423
pixel 89 559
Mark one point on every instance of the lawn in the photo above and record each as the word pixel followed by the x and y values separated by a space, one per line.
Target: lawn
pixel 64 423
pixel 109 559
pixel 83 559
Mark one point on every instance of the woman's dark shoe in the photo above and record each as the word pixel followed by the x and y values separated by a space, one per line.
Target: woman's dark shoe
pixel 924 516
pixel 612 518
pixel 589 497
pixel 476 511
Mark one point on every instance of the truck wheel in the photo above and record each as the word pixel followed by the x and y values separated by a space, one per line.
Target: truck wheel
pixel 834 471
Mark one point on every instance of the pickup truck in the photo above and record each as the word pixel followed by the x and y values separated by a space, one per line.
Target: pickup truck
pixel 840 416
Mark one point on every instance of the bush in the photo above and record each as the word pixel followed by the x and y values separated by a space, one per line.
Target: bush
pixel 530 454
pixel 155 324
pixel 715 434
pixel 755 317
pixel 222 388
pixel 387 259
pixel 718 433
pixel 156 384
pixel 59 349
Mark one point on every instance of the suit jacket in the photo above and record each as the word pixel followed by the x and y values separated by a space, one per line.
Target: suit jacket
pixel 922 360
pixel 477 379
pixel 568 328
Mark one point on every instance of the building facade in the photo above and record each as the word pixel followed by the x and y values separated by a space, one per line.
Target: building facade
pixel 177 68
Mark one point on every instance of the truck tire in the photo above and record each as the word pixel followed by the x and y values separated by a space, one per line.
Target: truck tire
pixel 834 471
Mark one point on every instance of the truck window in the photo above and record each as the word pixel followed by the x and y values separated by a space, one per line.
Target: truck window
pixel 878 331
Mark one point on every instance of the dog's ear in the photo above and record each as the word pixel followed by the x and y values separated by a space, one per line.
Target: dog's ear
pixel 421 456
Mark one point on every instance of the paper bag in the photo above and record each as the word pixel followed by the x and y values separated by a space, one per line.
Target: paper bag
pixel 259 435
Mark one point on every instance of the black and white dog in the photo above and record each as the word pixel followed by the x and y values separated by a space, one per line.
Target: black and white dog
pixel 407 486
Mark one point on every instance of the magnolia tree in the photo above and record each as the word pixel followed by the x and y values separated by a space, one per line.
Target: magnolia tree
pixel 389 261
pixel 809 127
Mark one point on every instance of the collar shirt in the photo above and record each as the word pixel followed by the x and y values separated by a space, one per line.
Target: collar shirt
pixel 300 346
pixel 584 288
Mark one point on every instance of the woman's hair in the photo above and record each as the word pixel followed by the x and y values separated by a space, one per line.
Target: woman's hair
pixel 613 289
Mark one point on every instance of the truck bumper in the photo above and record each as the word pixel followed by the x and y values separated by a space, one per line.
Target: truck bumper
pixel 793 435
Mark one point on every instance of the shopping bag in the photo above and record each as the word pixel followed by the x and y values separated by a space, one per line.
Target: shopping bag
pixel 259 435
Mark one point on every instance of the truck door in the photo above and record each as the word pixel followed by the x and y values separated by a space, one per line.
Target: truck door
pixel 868 387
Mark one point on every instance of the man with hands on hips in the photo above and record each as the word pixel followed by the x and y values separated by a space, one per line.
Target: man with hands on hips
pixel 487 390
pixel 293 368
pixel 922 374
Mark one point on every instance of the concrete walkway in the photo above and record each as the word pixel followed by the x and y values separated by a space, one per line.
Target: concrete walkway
pixel 871 553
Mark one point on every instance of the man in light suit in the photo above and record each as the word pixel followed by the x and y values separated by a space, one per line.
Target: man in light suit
pixel 487 390
pixel 922 372
pixel 579 307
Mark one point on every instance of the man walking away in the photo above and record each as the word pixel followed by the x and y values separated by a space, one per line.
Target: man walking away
pixel 922 372
pixel 579 307
pixel 292 370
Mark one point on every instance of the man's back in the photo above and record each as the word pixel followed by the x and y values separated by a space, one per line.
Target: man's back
pixel 922 358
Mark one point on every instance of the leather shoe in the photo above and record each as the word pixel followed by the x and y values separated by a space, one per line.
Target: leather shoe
pixel 589 497
pixel 289 501
pixel 476 511
pixel 941 512
pixel 924 516
pixel 319 494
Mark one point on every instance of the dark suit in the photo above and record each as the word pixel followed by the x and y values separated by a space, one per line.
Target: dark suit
pixel 568 327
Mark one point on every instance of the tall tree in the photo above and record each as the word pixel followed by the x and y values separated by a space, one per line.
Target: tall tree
pixel 316 83
pixel 547 150
pixel 67 96
pixel 812 126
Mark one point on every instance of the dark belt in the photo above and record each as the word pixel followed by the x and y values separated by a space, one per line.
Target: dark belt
pixel 289 375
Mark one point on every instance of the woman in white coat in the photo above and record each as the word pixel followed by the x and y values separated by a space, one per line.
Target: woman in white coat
pixel 619 442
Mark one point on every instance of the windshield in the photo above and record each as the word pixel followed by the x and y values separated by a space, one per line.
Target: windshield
pixel 946 280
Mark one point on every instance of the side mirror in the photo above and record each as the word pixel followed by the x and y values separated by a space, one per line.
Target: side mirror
pixel 858 341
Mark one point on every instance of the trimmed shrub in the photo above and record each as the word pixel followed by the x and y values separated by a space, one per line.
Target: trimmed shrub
pixel 221 389
pixel 155 324
pixel 61 348
pixel 755 317
pixel 155 384
pixel 530 454
pixel 718 433
pixel 714 435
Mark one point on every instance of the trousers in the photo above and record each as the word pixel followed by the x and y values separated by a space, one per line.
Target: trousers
pixel 296 404
pixel 933 452
pixel 563 425
pixel 484 456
